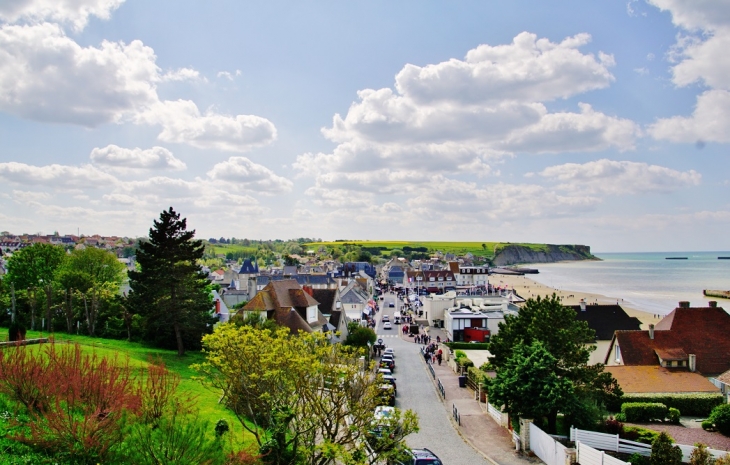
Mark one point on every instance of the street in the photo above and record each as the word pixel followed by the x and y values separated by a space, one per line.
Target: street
pixel 416 391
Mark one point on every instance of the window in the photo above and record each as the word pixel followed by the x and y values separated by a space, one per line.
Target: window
pixel 617 359
pixel 432 278
pixel 311 314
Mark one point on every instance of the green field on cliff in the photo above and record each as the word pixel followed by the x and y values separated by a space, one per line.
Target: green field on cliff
pixel 481 249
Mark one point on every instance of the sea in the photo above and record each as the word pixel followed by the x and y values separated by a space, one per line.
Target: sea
pixel 647 281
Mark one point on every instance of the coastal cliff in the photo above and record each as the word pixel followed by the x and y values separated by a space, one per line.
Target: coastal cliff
pixel 515 254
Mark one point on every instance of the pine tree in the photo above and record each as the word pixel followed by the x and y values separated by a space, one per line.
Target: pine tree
pixel 170 291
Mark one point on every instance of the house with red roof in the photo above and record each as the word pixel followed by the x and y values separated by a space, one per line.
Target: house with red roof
pixel 678 355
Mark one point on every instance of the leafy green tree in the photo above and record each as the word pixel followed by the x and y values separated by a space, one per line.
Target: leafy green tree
pixel 663 452
pixel 305 400
pixel 96 275
pixel 33 268
pixel 568 341
pixel 528 386
pixel 359 336
pixel 170 291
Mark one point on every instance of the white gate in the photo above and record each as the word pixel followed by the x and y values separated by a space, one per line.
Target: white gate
pixel 544 446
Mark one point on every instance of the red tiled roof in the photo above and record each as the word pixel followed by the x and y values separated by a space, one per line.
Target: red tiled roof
pixel 671 354
pixel 701 331
pixel 655 379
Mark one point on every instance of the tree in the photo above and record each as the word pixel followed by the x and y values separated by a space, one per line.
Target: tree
pixel 304 399
pixel 96 275
pixel 170 291
pixel 32 268
pixel 528 386
pixel 567 340
pixel 663 453
pixel 359 336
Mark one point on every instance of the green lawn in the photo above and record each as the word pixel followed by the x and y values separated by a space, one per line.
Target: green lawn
pixel 206 400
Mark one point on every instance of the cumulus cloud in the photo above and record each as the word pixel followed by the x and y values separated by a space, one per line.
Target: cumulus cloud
pixel 56 176
pixel 46 76
pixel 460 119
pixel 250 176
pixel 182 122
pixel 156 158
pixel 529 69
pixel 619 177
pixel 700 56
pixel 73 12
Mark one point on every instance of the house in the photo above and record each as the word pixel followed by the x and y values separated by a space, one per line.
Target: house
pixel 330 306
pixel 604 320
pixel 287 303
pixel 695 339
pixel 722 382
pixel 439 281
pixel 436 307
pixel 396 274
pixel 355 301
pixel 467 324
pixel 468 277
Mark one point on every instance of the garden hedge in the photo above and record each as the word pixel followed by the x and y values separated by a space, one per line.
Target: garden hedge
pixel 644 411
pixel 696 405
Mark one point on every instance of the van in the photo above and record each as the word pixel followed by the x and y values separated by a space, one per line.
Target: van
pixel 397 318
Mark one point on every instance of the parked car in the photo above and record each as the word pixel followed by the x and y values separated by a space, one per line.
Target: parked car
pixel 389 351
pixel 390 379
pixel 387 363
pixel 387 325
pixel 420 457
pixel 384 371
pixel 382 425
pixel 387 395
pixel 386 318
pixel 388 358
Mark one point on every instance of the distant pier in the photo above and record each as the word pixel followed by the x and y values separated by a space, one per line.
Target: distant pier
pixel 716 293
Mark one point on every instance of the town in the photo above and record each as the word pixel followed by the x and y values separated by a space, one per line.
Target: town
pixel 445 338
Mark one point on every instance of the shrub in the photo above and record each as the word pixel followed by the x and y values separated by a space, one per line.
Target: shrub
pixel 25 377
pixel 673 416
pixel 613 426
pixel 707 425
pixel 643 411
pixel 156 392
pixel 720 417
pixel 699 405
pixel 724 460
pixel 700 455
pixel 638 459
pixel 664 453
pixel 16 332
pixel 639 434
pixel 620 417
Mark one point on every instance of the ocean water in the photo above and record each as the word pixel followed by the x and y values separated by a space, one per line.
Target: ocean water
pixel 648 281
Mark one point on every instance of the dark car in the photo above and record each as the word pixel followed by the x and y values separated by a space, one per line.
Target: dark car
pixel 387 363
pixel 420 457
pixel 391 380
pixel 387 395
pixel 391 304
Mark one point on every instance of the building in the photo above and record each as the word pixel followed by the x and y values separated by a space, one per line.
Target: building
pixel 470 277
pixel 694 339
pixel 290 305
pixel 439 281
pixel 605 320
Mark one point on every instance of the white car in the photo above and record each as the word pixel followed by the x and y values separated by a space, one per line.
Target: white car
pixel 387 325
pixel 389 351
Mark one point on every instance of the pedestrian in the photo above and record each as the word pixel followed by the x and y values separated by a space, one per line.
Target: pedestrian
pixel 439 357
pixel 427 357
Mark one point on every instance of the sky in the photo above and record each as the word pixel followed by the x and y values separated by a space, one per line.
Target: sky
pixel 604 123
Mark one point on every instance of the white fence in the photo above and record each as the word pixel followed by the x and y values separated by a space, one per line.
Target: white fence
pixel 586 455
pixel 613 443
pixel 544 446
pixel 495 413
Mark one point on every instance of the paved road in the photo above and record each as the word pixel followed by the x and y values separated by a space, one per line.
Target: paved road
pixel 416 392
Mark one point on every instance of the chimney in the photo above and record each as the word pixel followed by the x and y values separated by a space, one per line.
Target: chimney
pixel 308 290
pixel 217 305
pixel 651 331
pixel 712 303
pixel 683 304
pixel 692 362
pixel 582 305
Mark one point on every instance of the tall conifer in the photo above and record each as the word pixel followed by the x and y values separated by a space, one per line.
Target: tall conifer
pixel 170 291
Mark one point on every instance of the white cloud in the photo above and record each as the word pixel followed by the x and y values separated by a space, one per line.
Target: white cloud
pixel 74 12
pixel 710 121
pixel 527 70
pixel 182 122
pixel 156 158
pixel 250 176
pixel 619 177
pixel 46 76
pixel 700 58
pixel 56 176
pixel 228 75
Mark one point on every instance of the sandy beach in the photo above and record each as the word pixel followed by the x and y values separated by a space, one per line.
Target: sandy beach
pixel 526 288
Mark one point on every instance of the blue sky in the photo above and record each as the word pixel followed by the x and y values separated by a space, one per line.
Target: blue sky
pixel 604 123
